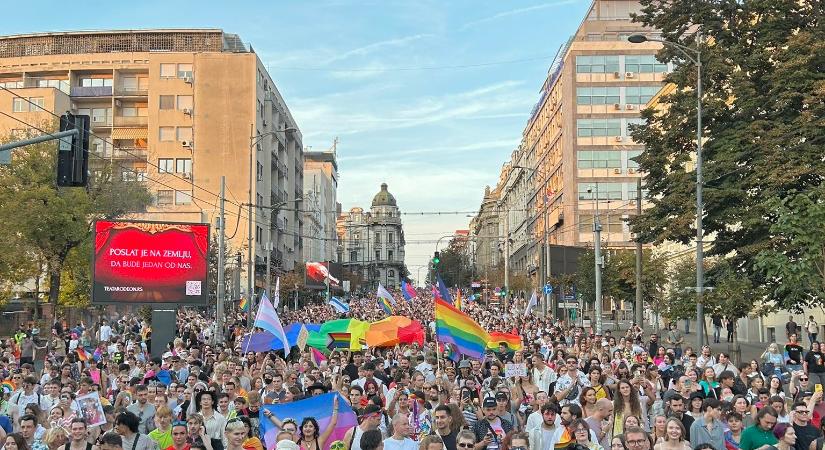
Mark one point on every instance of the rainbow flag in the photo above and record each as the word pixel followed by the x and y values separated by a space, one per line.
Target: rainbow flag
pixel 98 354
pixel 454 327
pixel 513 341
pixel 244 305
pixel 385 300
pixel 267 319
pixel 82 354
pixel 7 387
pixel 319 407
pixel 407 291
pixel 338 340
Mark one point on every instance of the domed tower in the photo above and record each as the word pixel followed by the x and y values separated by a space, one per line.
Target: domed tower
pixel 372 242
pixel 387 240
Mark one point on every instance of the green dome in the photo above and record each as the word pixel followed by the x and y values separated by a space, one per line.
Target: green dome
pixel 383 198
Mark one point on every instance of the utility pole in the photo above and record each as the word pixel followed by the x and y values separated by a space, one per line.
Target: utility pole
pixel 250 263
pixel 506 257
pixel 221 266
pixel 599 262
pixel 639 256
pixel 548 298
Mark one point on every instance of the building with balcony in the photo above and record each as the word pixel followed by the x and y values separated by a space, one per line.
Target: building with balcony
pixel 320 205
pixel 371 243
pixel 176 109
pixel 484 233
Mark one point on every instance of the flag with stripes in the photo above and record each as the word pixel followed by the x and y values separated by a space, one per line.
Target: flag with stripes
pixel 339 305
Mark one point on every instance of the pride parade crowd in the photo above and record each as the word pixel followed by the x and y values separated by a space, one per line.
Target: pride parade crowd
pixel 559 387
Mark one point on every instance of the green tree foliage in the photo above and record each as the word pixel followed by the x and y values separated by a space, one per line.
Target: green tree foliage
pixel 455 268
pixel 764 103
pixel 796 261
pixel 50 223
pixel 619 277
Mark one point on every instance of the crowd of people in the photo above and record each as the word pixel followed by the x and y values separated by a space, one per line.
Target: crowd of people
pixel 564 388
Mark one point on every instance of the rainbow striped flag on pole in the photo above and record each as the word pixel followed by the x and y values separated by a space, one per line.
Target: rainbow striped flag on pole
pixel 267 319
pixel 454 327
pixel 385 300
pixel 244 305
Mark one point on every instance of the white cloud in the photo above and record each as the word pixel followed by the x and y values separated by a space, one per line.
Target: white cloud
pixel 375 46
pixel 517 11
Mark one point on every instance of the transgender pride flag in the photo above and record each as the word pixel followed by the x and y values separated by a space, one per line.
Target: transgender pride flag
pixel 267 319
pixel 319 407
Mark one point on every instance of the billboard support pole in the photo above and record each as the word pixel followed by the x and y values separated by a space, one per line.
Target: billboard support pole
pixel 221 267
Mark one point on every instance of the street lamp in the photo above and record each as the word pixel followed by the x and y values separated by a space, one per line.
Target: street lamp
pixel 694 56
pixel 250 282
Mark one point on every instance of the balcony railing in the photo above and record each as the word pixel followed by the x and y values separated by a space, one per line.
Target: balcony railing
pixel 131 92
pixel 44 82
pixel 91 91
pixel 277 196
pixel 131 121
pixel 139 153
pixel 280 167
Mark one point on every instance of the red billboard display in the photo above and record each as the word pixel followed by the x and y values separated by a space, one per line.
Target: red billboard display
pixel 150 262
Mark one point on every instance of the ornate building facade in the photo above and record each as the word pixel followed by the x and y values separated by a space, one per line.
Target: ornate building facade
pixel 371 243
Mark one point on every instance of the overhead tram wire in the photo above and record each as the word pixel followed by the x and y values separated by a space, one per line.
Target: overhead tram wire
pixel 413 68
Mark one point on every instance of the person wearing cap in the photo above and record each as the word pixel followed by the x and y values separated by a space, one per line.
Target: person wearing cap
pixel 490 429
pixel 370 420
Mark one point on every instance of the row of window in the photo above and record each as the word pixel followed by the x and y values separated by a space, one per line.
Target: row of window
pixel 619 63
pixel 179 102
pixel 171 70
pixel 171 134
pixel 175 165
pixel 607 159
pixel 634 95
pixel 606 127
pixel 376 237
pixel 32 104
pixel 353 256
pixel 173 197
pixel 608 191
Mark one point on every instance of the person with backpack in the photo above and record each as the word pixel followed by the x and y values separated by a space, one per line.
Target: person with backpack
pixel 28 395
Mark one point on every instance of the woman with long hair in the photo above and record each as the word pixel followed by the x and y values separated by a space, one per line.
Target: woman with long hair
pixel 309 434
pixel 694 406
pixel 587 398
pixel 595 378
pixel 742 406
pixel 15 441
pixel 674 436
pixel 626 403
pixel 775 387
pixel 252 441
pixel 709 383
pixel 659 428
pixel 55 438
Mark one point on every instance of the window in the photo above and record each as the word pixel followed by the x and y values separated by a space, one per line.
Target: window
pixel 184 102
pixel 597 95
pixel 167 134
pixel 184 133
pixel 37 103
pixel 165 197
pixel 599 159
pixel 166 165
pixel 643 64
pixel 390 237
pixel 167 71
pixel 631 191
pixel 184 70
pixel 129 111
pixel 629 122
pixel 599 127
pixel 102 115
pixel 260 171
pixel 389 254
pixel 183 165
pixel 167 102
pixel 19 105
pixel 630 155
pixel 390 273
pixel 378 255
pixel 129 83
pixel 95 82
pixel 258 234
pixel 597 64
pixel 353 256
pixel 639 95
pixel 606 191
pixel 377 237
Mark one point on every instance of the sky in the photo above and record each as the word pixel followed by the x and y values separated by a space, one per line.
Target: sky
pixel 430 97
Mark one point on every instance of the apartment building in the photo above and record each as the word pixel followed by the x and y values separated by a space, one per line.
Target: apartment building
pixel 320 205
pixel 177 109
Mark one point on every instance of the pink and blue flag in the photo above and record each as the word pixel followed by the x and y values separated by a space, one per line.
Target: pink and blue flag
pixel 319 407
pixel 443 292
pixel 407 291
pixel 267 319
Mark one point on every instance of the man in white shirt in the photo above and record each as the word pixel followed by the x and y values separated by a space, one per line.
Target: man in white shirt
pixel 400 439
pixel 105 332
pixel 542 375
pixel 28 395
pixel 541 437
pixel 568 385
pixel 706 359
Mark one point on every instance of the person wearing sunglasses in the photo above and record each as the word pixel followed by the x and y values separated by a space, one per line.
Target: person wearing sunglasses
pixel 465 440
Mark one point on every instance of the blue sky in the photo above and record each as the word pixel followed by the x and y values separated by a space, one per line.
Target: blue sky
pixel 382 76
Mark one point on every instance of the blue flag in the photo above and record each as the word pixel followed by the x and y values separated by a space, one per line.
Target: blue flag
pixel 443 292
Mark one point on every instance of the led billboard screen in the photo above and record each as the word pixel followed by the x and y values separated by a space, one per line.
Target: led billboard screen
pixel 150 262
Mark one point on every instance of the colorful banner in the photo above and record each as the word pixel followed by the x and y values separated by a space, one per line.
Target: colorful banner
pixel 319 407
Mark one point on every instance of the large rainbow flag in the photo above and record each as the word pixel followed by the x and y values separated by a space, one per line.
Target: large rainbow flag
pixel 454 327
pixel 512 341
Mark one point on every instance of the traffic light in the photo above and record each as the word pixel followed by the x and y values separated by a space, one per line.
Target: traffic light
pixel 436 259
pixel 73 152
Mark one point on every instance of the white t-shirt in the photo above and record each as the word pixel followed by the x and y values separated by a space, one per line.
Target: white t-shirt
pixel 391 443
pixel 105 333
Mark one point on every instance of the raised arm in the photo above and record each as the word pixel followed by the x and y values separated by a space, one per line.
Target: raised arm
pixel 322 440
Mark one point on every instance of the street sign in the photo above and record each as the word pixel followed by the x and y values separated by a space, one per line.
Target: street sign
pixel 475 284
pixel 569 297
pixel 548 289
pixel 567 305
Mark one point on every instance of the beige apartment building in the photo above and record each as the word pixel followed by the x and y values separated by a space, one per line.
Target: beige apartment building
pixel 177 109
pixel 320 206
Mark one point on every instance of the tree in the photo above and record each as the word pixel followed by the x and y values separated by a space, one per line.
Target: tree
pixel 763 75
pixel 50 222
pixel 455 268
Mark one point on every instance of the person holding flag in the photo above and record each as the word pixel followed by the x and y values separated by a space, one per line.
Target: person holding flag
pixel 385 300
